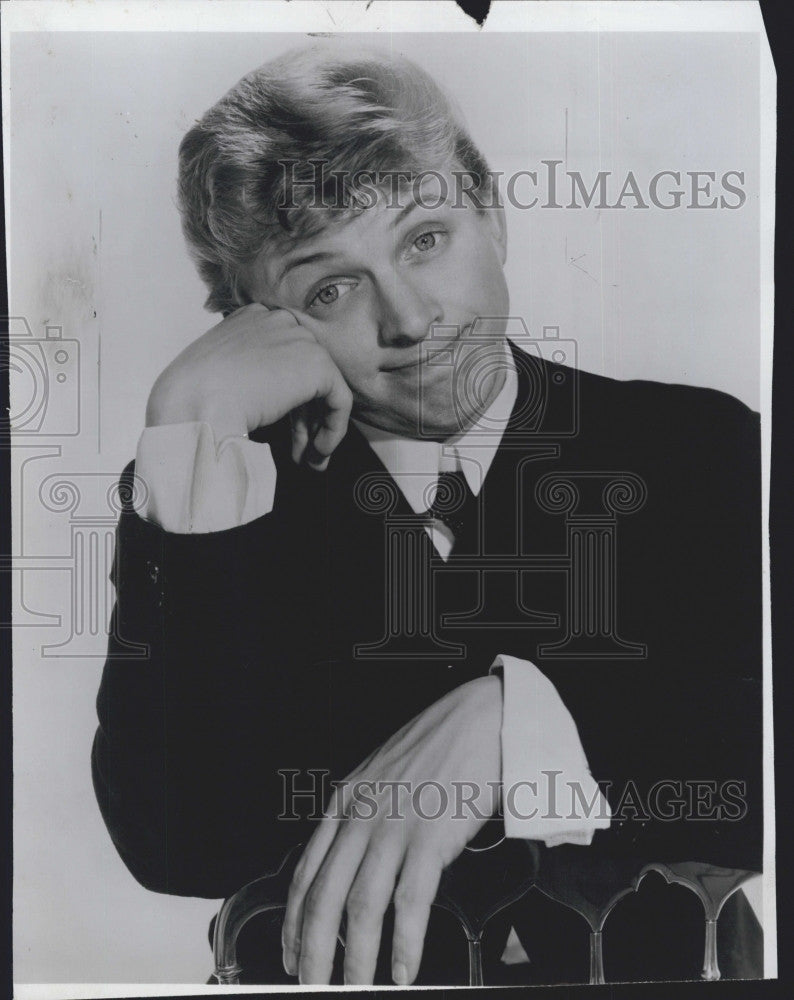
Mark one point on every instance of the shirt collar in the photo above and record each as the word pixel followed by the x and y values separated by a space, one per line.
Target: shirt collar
pixel 415 464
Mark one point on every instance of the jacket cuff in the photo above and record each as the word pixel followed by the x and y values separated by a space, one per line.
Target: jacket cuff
pixel 548 792
pixel 196 486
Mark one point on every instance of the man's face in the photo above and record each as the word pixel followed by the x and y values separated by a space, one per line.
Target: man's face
pixel 386 291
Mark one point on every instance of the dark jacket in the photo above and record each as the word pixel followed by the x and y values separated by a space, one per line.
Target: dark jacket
pixel 251 632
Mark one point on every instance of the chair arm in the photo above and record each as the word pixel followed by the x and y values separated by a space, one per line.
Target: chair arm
pixel 477 886
pixel 474 888
pixel 593 886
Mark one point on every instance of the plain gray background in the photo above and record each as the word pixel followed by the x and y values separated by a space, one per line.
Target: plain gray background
pixel 95 124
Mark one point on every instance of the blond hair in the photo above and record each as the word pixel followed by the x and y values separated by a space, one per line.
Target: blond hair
pixel 358 112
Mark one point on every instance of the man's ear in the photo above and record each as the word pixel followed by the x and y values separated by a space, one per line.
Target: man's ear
pixel 497 223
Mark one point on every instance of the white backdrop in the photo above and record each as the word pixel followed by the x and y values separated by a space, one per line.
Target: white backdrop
pixel 96 248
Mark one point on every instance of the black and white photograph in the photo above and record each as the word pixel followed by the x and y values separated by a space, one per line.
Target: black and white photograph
pixel 389 432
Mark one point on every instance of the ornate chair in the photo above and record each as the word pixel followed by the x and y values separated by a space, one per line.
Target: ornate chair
pixel 591 888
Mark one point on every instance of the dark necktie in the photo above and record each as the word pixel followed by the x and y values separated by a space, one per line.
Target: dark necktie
pixel 455 506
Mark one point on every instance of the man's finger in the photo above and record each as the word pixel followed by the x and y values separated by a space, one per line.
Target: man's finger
pixel 337 400
pixel 325 901
pixel 305 873
pixel 338 404
pixel 413 898
pixel 300 432
pixel 366 904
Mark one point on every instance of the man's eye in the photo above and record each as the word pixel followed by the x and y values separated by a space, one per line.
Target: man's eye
pixel 330 293
pixel 425 242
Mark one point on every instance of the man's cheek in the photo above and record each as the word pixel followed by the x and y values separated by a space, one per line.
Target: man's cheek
pixel 346 357
pixel 368 387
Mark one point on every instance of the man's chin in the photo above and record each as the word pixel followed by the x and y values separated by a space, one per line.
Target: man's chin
pixel 456 405
pixel 442 422
pixel 437 402
pixel 442 427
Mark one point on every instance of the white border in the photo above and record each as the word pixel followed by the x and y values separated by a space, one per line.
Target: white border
pixel 768 145
pixel 381 15
pixel 349 16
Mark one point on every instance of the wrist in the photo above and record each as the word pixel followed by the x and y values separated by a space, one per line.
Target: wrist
pixel 169 404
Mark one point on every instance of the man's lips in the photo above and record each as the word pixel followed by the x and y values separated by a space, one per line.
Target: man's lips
pixel 425 356
pixel 423 359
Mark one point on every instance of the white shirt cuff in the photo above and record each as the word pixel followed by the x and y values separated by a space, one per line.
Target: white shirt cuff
pixel 195 486
pixel 548 792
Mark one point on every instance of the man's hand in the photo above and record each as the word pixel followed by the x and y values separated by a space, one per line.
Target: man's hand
pixel 249 371
pixel 361 856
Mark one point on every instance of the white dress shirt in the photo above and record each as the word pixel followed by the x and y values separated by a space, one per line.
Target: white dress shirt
pixel 198 486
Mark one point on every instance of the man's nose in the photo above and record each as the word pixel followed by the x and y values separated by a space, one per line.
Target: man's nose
pixel 407 313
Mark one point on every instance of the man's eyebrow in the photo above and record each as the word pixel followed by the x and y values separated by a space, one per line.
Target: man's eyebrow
pixel 300 261
pixel 416 203
pixel 404 212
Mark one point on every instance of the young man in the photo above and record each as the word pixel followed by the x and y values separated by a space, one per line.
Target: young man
pixel 358 442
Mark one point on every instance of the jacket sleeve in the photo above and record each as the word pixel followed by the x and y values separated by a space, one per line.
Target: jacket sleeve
pixel 192 734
